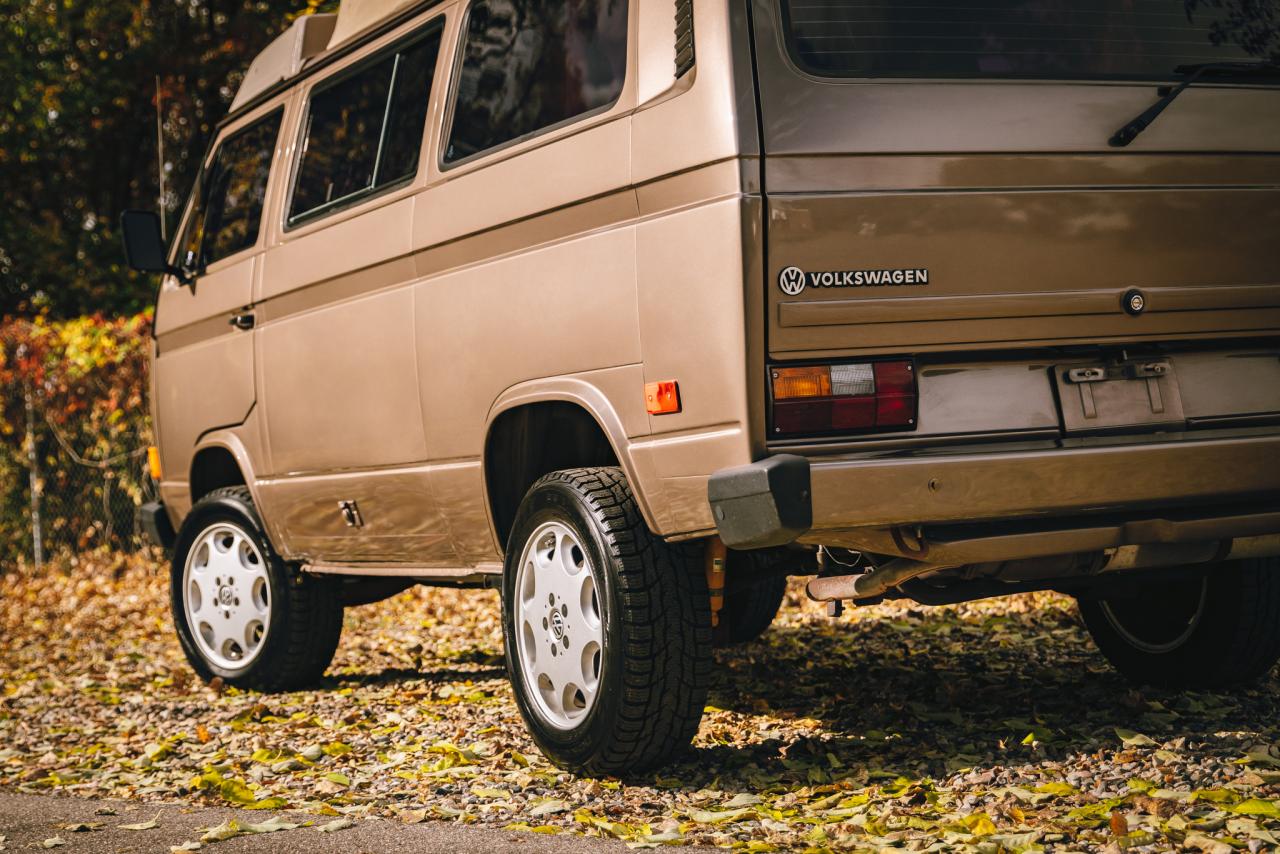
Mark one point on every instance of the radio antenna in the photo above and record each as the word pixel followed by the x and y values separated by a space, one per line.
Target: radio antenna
pixel 160 159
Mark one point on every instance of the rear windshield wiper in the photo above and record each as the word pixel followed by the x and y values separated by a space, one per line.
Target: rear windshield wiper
pixel 1128 133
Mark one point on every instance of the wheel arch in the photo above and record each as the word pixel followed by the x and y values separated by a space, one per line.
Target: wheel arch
pixel 220 459
pixel 517 451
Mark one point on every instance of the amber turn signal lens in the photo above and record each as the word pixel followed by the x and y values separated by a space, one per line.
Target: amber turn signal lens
pixel 153 463
pixel 662 398
pixel 809 381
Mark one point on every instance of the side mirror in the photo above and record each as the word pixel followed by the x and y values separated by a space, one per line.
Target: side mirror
pixel 143 245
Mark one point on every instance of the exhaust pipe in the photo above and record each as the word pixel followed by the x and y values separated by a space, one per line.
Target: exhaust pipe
pixel 870 584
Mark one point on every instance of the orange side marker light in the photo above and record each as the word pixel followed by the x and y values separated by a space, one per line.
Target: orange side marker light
pixel 662 398
pixel 153 463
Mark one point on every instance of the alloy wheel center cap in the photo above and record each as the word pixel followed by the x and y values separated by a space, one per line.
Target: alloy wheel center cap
pixel 225 596
pixel 557 626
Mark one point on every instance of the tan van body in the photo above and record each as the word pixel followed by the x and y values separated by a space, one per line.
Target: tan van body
pixel 414 362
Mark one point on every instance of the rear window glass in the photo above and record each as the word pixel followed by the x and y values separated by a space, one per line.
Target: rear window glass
pixel 1031 38
pixel 528 65
pixel 365 131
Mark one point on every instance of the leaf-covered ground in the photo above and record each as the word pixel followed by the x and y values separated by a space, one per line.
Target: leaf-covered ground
pixel 994 725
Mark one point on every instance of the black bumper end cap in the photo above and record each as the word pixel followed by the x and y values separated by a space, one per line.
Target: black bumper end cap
pixel 762 504
pixel 155 523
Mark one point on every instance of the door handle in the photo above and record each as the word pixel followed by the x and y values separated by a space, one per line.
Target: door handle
pixel 241 321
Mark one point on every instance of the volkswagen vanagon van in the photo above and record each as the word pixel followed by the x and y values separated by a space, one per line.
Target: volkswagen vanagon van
pixel 632 308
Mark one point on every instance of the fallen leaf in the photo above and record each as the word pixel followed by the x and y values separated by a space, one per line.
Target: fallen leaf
pixel 719 816
pixel 490 794
pixel 336 825
pixel 1255 806
pixel 549 807
pixel 227 830
pixel 1135 739
pixel 53 842
pixel 1207 844
pixel 743 799
pixel 145 825
pixel 1057 789
pixel 271 825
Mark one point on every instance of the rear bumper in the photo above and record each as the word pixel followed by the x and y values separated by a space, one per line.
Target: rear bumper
pixel 154 521
pixel 888 492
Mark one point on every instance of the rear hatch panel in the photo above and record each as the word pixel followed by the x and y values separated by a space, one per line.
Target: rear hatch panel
pixel 992 215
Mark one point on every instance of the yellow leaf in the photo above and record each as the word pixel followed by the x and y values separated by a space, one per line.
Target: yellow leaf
pixel 1058 789
pixel 979 824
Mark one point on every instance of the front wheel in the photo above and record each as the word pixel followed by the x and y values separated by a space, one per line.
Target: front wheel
pixel 607 628
pixel 241 613
pixel 1212 630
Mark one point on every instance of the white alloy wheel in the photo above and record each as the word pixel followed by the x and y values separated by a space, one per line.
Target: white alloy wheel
pixel 227 596
pixel 559 627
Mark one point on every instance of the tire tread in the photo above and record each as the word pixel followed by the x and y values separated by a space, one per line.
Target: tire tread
pixel 666 611
pixel 312 616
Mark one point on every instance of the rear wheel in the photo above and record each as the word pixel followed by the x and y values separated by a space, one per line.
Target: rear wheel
pixel 1213 630
pixel 750 605
pixel 240 613
pixel 607 628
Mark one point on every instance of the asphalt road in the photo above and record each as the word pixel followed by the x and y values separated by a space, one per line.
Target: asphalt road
pixel 27 821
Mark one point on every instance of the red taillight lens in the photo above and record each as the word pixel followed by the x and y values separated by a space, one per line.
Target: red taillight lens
pixel 868 396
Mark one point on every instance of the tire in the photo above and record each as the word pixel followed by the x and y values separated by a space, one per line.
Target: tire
pixel 750 605
pixel 629 619
pixel 291 622
pixel 1216 630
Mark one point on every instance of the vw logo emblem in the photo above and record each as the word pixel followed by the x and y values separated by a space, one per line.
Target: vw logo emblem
pixel 791 280
pixel 557 625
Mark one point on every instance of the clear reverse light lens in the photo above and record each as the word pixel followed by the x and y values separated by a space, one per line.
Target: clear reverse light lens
pixel 848 380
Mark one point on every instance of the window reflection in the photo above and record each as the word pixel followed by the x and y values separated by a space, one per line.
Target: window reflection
pixel 531 64
pixel 228 208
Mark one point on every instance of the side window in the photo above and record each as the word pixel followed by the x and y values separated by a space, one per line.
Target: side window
pixel 364 131
pixel 531 64
pixel 228 207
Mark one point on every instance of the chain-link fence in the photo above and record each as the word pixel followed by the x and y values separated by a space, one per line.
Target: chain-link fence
pixel 77 502
pixel 73 463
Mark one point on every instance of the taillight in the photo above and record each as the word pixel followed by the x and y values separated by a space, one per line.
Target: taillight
pixel 867 396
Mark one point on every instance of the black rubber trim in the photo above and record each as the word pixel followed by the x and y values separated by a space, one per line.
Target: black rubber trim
pixel 765 503
pixel 154 522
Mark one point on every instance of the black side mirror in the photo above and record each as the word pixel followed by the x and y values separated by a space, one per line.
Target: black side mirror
pixel 144 248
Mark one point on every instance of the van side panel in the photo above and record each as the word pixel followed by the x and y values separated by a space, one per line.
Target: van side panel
pixel 338 391
pixel 696 171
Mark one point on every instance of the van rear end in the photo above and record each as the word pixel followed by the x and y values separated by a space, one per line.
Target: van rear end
pixel 1003 344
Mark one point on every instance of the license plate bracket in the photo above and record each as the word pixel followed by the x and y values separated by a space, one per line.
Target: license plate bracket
pixel 1119 396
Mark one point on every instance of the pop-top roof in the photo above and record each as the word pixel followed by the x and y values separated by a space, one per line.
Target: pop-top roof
pixel 283 58
pixel 355 16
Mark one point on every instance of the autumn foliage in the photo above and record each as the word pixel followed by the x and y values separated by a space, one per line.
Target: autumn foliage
pixel 85 379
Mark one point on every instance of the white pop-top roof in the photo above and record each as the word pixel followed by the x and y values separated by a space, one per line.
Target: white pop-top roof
pixel 283 58
pixel 308 36
pixel 357 15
